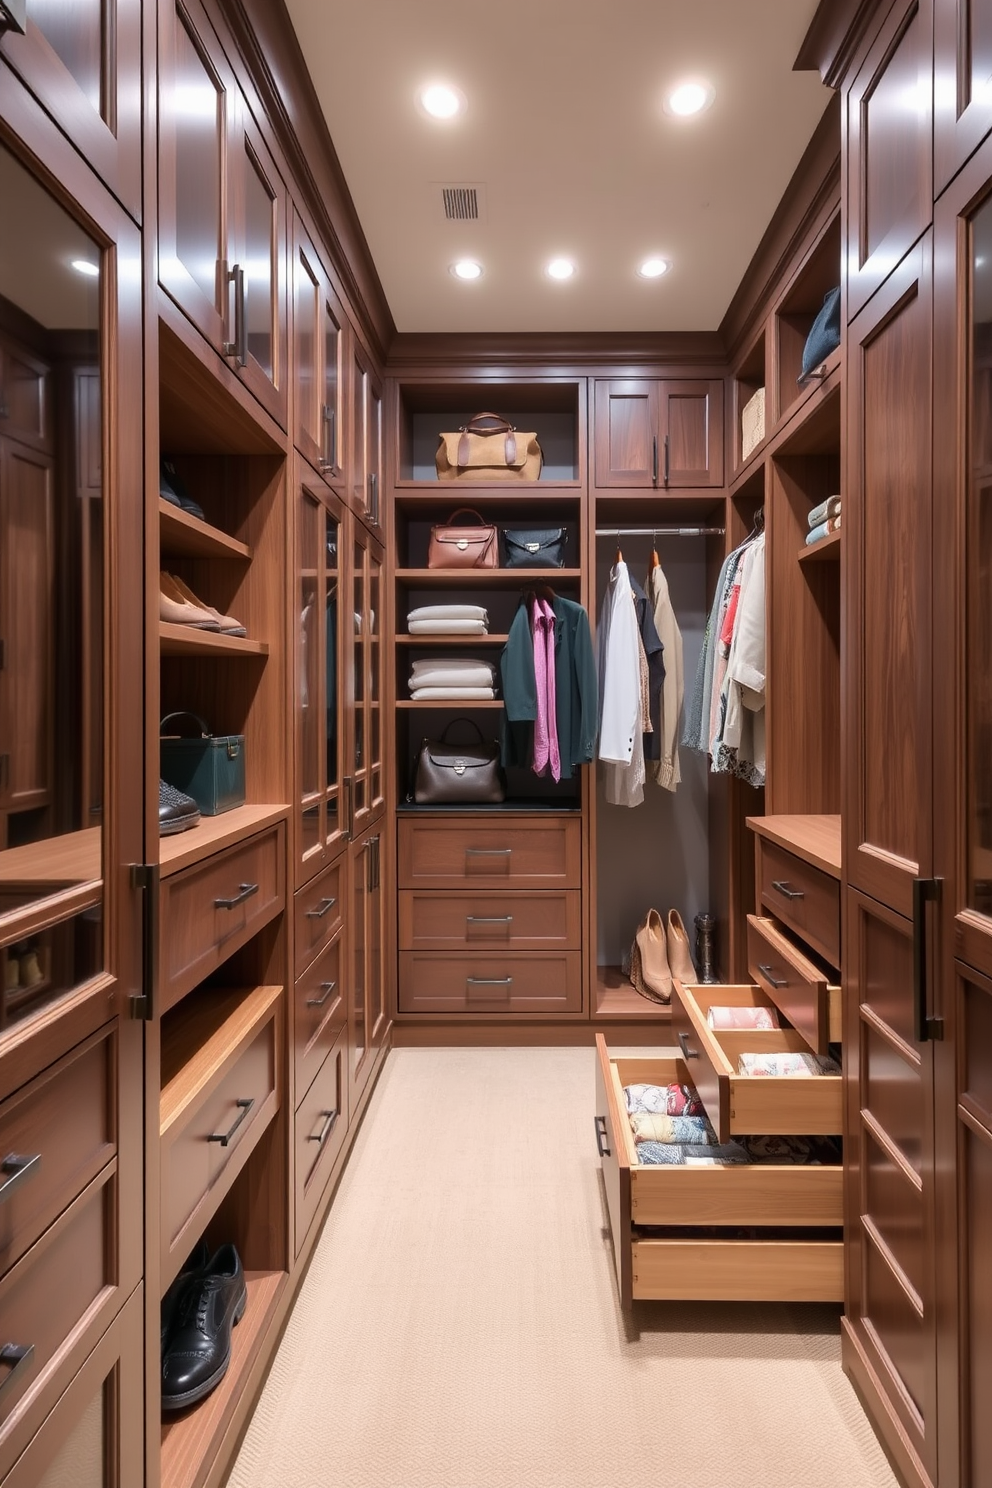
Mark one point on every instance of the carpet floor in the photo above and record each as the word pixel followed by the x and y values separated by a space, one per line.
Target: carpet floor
pixel 459 1325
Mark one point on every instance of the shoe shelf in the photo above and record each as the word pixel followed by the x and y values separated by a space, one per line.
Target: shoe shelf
pixel 214 833
pixel 615 1000
pixel 827 550
pixel 192 1438
pixel 184 536
pixel 183 640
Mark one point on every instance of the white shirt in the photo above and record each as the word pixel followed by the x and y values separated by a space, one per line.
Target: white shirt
pixel 619 671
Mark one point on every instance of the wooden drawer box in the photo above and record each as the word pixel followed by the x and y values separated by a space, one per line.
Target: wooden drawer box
pixel 551 921
pixel 763 1195
pixel 492 982
pixel 211 909
pixel 317 913
pixel 536 852
pixel 321 1014
pixel 745 1104
pixel 55 1135
pixel 804 898
pixel 798 989
pixel 321 1127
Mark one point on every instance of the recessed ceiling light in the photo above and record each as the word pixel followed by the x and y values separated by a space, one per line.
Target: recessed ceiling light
pixel 81 266
pixel 653 268
pixel 442 101
pixel 690 97
pixel 466 268
pixel 561 268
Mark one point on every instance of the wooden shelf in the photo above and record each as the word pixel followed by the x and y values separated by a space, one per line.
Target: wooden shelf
pixel 192 1438
pixel 452 640
pixel 184 536
pixel 183 640
pixel 200 1036
pixel 815 839
pixel 468 703
pixel 431 489
pixel 214 833
pixel 485 578
pixel 827 550
pixel 614 999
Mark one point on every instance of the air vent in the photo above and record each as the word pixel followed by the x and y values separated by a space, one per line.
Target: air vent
pixel 462 201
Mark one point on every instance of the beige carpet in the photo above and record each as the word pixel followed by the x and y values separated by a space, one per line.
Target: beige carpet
pixel 459 1326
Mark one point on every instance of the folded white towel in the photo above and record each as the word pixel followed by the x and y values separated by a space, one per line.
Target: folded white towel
pixel 448 612
pixel 451 664
pixel 435 694
pixel 447 627
pixel 480 676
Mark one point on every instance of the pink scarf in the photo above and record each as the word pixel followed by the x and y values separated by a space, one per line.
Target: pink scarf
pixel 546 753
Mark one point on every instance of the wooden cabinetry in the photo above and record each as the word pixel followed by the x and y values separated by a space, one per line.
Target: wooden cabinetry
pixel 962 66
pixel 366 439
pixel 367 1018
pixel 657 433
pixel 363 624
pixel 320 363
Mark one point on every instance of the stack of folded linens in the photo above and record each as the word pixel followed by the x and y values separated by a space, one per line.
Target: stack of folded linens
pixel 459 678
pixel 823 520
pixel 448 619
pixel 787 1064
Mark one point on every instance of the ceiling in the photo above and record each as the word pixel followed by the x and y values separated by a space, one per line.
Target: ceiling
pixel 565 130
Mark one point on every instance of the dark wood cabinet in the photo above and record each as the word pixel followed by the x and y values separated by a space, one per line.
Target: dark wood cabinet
pixel 27 627
pixel 366 441
pixel 962 69
pixel 319 359
pixel 367 1015
pixel 365 777
pixel 658 434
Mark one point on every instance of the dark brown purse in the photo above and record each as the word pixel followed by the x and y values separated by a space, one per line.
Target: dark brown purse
pixel 456 774
pixel 454 546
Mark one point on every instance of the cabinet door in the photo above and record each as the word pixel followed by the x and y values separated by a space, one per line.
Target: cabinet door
pixel 25 396
pixel 626 434
pixel 318 359
pixel 365 772
pixel 257 256
pixel 889 149
pixel 82 59
pixel 368 1022
pixel 366 444
pixel 887 544
pixel 27 626
pixel 691 425
pixel 962 84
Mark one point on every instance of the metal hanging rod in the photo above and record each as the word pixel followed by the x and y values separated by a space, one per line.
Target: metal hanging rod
pixel 660 531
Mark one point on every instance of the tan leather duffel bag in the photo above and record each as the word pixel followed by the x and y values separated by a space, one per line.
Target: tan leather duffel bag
pixel 488 448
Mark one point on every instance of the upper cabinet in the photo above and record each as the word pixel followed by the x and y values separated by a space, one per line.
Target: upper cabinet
pixel 82 60
pixel 658 434
pixel 366 445
pixel 222 207
pixel 318 363
pixel 962 84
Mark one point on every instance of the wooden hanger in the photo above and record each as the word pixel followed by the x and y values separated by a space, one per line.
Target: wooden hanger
pixel 654 561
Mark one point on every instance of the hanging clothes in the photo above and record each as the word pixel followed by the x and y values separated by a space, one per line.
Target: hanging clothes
pixel 655 661
pixel 546 751
pixel 576 714
pixel 667 772
pixel 631 677
pixel 740 749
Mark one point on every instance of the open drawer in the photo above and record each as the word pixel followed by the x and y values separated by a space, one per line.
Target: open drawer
pixel 774 1198
pixel 799 989
pixel 748 1105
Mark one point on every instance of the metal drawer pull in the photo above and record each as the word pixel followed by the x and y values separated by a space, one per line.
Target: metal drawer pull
pixel 489 981
pixel 601 1134
pixel 784 887
pixel 20 1169
pixel 488 852
pixel 687 1053
pixel 20 1356
pixel 770 977
pixel 489 919
pixel 245 892
pixel 325 1131
pixel 327 988
pixel 322 909
pixel 224 1138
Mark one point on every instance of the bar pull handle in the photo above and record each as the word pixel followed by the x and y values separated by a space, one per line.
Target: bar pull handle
pixel 784 887
pixel 348 787
pixel 20 1170
pixel 225 1138
pixel 490 981
pixel 488 852
pixel 925 891
pixel 145 876
pixel 329 415
pixel 668 460
pixel 489 919
pixel 687 1053
pixel 20 1356
pixel 318 1002
pixel 769 975
pixel 654 460
pixel 601 1137
pixel 238 348
pixel 323 908
pixel 330 1117
pixel 245 891
pixel 373 504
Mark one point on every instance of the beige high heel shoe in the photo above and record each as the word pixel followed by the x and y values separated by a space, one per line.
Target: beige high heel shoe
pixel 678 950
pixel 649 971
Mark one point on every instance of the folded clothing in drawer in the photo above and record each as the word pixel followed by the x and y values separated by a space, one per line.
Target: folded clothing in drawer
pixel 690 1131
pixel 664 1100
pixel 681 1154
pixel 743 1017
pixel 787 1063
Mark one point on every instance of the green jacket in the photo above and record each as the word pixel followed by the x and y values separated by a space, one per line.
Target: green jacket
pixel 576 689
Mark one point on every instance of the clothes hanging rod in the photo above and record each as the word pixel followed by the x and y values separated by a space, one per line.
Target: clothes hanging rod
pixel 660 531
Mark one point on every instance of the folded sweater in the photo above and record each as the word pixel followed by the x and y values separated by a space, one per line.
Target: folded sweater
pixel 828 508
pixel 742 1017
pixel 664 1100
pixel 687 1130
pixel 787 1063
pixel 443 675
pixel 676 1155
pixel 824 530
pixel 447 627
pixel 448 612
pixel 454 693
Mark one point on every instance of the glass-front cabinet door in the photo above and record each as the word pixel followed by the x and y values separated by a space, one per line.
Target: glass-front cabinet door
pixel 318 352
pixel 365 772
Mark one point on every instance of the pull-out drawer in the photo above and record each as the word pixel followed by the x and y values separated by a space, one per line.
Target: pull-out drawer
pixel 321 1127
pixel 778 1198
pixel 536 852
pixel 212 908
pixel 750 1105
pixel 551 921
pixel 802 897
pixel 321 1014
pixel 319 907
pixel 798 989
pixel 493 982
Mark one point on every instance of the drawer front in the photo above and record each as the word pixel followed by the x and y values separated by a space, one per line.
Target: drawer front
pixel 221 1131
pixel 321 1128
pixel 321 1013
pixel 55 1136
pixel 211 909
pixel 466 922
pixel 496 982
pixel 802 897
pixel 317 914
pixel 539 853
pixel 798 988
pixel 738 1270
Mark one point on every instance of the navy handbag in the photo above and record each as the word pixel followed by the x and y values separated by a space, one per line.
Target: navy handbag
pixel 824 336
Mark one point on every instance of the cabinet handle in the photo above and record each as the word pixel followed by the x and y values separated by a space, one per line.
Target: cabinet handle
pixel 348 787
pixel 224 1138
pixel 687 1053
pixel 489 919
pixel 601 1136
pixel 654 459
pixel 20 1356
pixel 238 348
pixel 325 1131
pixel 769 975
pixel 20 1170
pixel 925 891
pixel 784 887
pixel 489 981
pixel 329 415
pixel 318 1002
pixel 246 891
pixel 323 908
pixel 373 506
pixel 668 462
pixel 488 852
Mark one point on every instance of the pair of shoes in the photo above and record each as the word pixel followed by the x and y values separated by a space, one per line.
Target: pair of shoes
pixel 194 1263
pixel 196 1334
pixel 179 606
pixel 176 811
pixel 656 957
pixel 172 489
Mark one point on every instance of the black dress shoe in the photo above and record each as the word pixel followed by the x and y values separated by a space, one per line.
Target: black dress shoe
pixel 176 811
pixel 171 487
pixel 194 1263
pixel 199 1348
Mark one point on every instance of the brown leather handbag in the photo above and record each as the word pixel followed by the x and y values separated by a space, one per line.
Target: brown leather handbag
pixel 453 546
pixel 488 448
pixel 454 774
